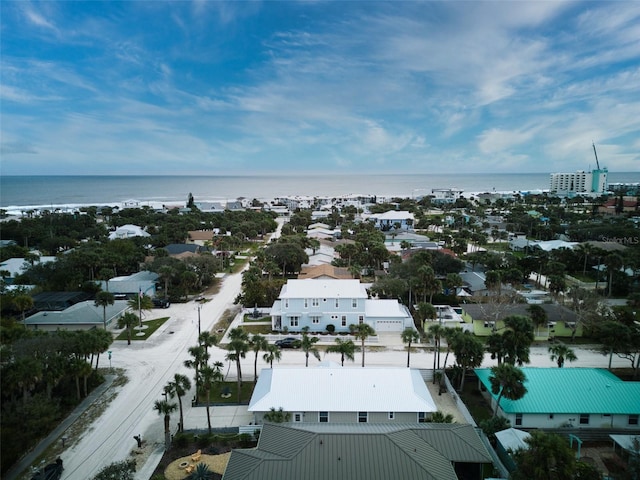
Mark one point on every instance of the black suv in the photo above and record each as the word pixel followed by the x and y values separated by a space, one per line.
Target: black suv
pixel 289 342
pixel 161 303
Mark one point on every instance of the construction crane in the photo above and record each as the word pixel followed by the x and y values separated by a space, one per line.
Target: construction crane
pixel 596 154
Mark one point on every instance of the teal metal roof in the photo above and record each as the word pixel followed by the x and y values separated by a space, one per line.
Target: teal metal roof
pixel 571 390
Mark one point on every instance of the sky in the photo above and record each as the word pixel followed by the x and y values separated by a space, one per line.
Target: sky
pixel 215 88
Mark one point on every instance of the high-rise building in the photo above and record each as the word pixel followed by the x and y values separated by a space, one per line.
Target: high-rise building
pixel 594 181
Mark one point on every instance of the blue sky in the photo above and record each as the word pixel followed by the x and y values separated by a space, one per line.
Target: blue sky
pixel 215 88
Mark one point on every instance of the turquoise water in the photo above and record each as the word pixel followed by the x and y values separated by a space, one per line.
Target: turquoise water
pixel 45 191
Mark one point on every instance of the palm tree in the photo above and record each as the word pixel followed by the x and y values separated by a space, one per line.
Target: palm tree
pixel 560 353
pixel 208 376
pixel 613 263
pixel 272 353
pixel 128 320
pixel 362 331
pixel 166 273
pixel 584 249
pixel 307 345
pixel 199 358
pixel 179 388
pixel 425 312
pixel 207 339
pixel 23 303
pixel 276 416
pixel 163 407
pixel 436 331
pixel 202 472
pixel 140 303
pixel 440 417
pixel 238 346
pixel 507 381
pixel 345 348
pixel 258 344
pixel 409 335
pixel 104 299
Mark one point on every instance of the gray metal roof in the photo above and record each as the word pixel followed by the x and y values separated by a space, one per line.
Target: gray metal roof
pixel 356 452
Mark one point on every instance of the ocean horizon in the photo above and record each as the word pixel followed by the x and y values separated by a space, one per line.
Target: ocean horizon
pixel 21 192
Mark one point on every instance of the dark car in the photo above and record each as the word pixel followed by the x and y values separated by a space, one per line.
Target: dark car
pixel 161 303
pixel 289 342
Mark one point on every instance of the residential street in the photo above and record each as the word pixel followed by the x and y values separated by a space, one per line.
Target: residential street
pixel 150 365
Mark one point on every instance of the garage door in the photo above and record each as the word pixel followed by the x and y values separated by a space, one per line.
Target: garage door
pixel 389 326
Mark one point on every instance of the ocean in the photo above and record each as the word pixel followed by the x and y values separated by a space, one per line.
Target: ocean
pixel 20 193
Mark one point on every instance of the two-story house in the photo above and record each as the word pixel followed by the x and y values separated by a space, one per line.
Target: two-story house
pixel 322 302
pixel 393 220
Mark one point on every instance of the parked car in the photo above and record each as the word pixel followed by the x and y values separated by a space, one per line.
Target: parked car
pixel 288 342
pixel 161 303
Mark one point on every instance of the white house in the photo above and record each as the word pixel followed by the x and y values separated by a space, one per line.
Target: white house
pixel 322 302
pixel 393 220
pixel 330 393
pixel 128 231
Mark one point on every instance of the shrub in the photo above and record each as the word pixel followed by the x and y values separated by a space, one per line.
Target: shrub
pixel 331 328
pixel 182 440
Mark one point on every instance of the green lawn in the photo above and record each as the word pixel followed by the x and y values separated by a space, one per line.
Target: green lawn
pixel 216 391
pixel 253 329
pixel 152 326
pixel 248 318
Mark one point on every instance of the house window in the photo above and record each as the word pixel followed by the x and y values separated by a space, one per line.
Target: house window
pixel 344 320
pixel 363 417
pixel 323 417
pixel 337 302
pixel 315 302
pixel 361 319
pixel 354 303
pixel 518 419
pixel 584 419
pixel 306 303
pixel 315 319
pixel 422 417
pixel 392 415
pixel 633 419
pixel 551 416
pixel 294 321
pixel 297 417
pixel 286 303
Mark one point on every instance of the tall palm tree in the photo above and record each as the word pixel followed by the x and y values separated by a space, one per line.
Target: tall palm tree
pixel 258 344
pixel 561 353
pixel 210 375
pixel 141 302
pixel 128 320
pixel 409 335
pixel 179 388
pixel 613 262
pixel 507 381
pixel 207 340
pixel 163 407
pixel 436 331
pixel 104 299
pixel 362 331
pixel 272 352
pixel 23 303
pixel 345 348
pixel 307 345
pixel 238 347
pixel 198 358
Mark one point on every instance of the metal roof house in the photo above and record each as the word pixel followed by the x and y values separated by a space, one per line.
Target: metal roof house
pixel 318 303
pixel 81 316
pixel 361 452
pixel 334 394
pixel 576 397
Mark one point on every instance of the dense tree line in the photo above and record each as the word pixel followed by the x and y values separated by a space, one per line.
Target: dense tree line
pixel 43 376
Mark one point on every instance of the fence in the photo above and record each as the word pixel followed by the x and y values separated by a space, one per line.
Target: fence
pixel 459 403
